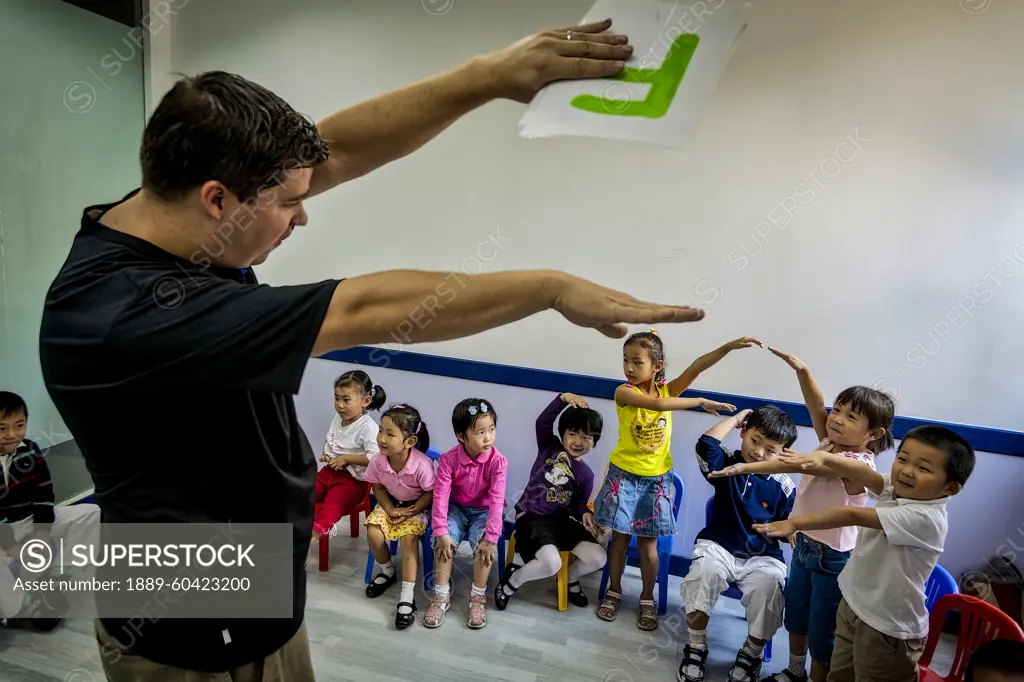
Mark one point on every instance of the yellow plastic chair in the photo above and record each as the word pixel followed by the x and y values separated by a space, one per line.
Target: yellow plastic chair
pixel 563 572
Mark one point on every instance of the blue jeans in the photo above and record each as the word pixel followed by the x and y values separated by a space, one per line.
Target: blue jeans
pixel 466 523
pixel 813 595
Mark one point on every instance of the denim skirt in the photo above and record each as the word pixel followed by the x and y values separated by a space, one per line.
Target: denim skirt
pixel 636 505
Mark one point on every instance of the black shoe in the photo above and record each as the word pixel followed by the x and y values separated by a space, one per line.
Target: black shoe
pixel 404 620
pixel 691 656
pixel 577 598
pixel 746 668
pixel 785 676
pixel 380 584
pixel 500 596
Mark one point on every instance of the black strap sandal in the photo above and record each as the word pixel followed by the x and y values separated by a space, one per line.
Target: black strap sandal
pixel 500 596
pixel 785 675
pixel 404 620
pixel 692 657
pixel 746 668
pixel 380 584
pixel 577 598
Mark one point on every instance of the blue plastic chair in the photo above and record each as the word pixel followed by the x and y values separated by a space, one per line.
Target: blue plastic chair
pixel 734 592
pixel 665 543
pixel 940 583
pixel 425 541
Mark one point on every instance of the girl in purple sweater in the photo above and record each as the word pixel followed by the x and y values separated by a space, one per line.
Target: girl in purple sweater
pixel 552 515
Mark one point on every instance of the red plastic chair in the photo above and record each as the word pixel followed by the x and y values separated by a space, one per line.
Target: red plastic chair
pixel 979 623
pixel 353 519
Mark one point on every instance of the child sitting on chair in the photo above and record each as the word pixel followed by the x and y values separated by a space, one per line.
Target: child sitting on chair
pixel 403 483
pixel 552 515
pixel 883 617
pixel 469 502
pixel 729 551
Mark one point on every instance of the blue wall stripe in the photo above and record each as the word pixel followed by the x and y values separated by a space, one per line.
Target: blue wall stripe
pixel 982 438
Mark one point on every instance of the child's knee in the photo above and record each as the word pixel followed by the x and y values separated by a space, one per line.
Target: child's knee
pixel 408 542
pixel 550 561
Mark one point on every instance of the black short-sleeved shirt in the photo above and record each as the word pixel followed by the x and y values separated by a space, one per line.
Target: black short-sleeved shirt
pixel 177 383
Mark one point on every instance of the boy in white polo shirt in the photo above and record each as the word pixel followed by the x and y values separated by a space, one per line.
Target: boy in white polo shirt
pixel 883 621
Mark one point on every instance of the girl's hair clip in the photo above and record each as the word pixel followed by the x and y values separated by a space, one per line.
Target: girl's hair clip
pixel 654 331
pixel 373 391
pixel 473 409
pixel 418 427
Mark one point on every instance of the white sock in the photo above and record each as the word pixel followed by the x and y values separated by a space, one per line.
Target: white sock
pixel 698 640
pixel 442 590
pixel 798 665
pixel 386 570
pixel 754 650
pixel 575 587
pixel 479 591
pixel 408 590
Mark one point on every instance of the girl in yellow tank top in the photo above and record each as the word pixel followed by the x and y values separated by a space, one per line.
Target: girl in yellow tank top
pixel 637 495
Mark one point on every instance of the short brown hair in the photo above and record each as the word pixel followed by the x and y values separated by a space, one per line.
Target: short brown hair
pixel 220 126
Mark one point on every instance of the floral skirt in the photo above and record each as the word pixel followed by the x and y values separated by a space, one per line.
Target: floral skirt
pixel 414 525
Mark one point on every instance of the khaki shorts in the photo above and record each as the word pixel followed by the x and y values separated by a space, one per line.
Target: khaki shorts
pixel 863 654
pixel 290 663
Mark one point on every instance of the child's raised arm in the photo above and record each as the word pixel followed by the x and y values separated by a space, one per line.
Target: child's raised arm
pixel 546 437
pixel 705 362
pixel 625 395
pixel 710 455
pixel 813 398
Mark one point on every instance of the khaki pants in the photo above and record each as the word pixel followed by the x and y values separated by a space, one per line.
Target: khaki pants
pixel 290 663
pixel 863 654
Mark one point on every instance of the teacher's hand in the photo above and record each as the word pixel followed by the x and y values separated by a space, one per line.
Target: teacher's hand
pixel 583 51
pixel 590 305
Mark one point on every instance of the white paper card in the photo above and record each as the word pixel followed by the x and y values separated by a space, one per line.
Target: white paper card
pixel 680 50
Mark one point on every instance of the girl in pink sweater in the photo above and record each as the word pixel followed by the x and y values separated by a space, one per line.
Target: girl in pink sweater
pixel 469 502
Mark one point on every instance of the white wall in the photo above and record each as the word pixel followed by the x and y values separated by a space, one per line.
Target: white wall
pixel 988 516
pixel 852 194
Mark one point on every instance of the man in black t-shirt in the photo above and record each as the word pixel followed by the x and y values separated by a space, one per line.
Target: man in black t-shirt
pixel 170 363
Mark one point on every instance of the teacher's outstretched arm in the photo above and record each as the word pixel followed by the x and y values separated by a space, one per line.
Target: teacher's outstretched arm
pixel 412 306
pixel 365 136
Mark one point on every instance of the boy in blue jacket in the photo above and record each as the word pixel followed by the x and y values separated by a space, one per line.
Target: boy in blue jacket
pixel 728 550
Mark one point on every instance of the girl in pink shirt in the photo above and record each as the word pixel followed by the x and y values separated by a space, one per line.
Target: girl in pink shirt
pixel 403 482
pixel 858 426
pixel 469 502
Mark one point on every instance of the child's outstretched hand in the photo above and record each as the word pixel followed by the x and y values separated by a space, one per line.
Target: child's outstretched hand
pixel 445 548
pixel 775 529
pixel 713 406
pixel 574 400
pixel 733 470
pixel 811 462
pixel 485 553
pixel 745 342
pixel 791 360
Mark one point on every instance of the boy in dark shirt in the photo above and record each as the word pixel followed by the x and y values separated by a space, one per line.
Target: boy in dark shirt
pixel 552 514
pixel 27 511
pixel 729 551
